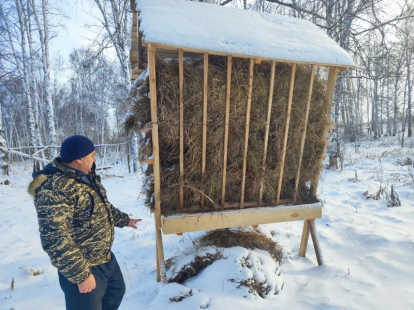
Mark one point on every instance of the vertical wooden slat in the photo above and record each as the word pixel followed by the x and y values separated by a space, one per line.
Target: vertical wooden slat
pixel 330 91
pixel 181 77
pixel 226 130
pixel 204 147
pixel 132 5
pixel 266 136
pixel 302 144
pixel 246 135
pixel 134 53
pixel 156 166
pixel 304 240
pixel 289 107
pixel 315 240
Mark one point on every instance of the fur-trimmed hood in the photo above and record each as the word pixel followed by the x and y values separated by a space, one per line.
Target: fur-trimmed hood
pixel 41 176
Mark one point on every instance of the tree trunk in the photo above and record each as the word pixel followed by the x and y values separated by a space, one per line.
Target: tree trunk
pixel 26 86
pixel 4 158
pixel 409 86
pixel 33 84
pixel 44 40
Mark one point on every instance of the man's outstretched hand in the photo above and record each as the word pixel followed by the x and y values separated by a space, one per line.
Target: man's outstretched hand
pixel 133 223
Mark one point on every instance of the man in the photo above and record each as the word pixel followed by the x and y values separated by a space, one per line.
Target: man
pixel 76 224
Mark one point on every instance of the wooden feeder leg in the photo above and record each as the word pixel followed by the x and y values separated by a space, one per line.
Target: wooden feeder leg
pixel 156 167
pixel 158 262
pixel 315 240
pixel 305 238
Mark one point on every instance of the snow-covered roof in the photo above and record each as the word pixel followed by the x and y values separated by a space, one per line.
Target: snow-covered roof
pixel 224 30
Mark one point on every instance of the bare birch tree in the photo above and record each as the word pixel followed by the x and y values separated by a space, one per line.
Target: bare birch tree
pixel 25 69
pixel 116 21
pixel 4 159
pixel 43 29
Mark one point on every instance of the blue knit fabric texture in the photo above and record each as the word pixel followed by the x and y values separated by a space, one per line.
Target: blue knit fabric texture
pixel 75 147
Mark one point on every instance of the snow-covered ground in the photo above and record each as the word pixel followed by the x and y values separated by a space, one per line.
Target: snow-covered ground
pixel 368 247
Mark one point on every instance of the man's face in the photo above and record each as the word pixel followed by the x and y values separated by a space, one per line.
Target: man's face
pixel 87 162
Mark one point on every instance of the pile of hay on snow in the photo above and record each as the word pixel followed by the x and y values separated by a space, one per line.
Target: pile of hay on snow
pixel 251 268
pixel 169 132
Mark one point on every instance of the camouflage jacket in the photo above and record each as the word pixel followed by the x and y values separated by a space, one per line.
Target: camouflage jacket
pixel 76 220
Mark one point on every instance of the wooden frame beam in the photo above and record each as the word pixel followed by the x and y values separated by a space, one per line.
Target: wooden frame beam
pixel 266 137
pixel 156 166
pixel 236 218
pixel 246 134
pixel 289 107
pixel 226 130
pixel 305 125
pixel 186 49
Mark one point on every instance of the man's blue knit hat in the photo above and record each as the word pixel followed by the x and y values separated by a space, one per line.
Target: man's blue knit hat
pixel 75 147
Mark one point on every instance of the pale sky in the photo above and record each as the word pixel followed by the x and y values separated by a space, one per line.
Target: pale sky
pixel 75 34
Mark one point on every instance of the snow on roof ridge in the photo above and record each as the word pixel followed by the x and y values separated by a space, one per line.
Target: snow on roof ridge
pixel 220 29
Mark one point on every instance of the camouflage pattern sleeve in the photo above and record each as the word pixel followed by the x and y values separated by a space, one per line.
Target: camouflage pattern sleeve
pixel 121 219
pixel 55 216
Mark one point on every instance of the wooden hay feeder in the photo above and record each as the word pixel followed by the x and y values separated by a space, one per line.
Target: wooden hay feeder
pixel 281 40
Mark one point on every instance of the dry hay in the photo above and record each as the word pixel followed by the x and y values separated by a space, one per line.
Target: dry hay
pixel 195 267
pixel 226 238
pixel 169 133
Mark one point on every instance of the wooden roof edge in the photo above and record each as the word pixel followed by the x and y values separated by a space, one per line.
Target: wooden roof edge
pixel 341 67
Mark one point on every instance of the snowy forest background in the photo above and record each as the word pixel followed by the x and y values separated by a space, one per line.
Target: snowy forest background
pixel 41 106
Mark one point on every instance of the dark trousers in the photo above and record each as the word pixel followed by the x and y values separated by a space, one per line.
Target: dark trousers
pixel 110 288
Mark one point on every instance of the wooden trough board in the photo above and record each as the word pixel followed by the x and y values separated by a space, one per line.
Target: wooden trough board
pixel 177 224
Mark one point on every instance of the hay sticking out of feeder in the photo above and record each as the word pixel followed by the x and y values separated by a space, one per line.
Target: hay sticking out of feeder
pixel 226 238
pixel 168 109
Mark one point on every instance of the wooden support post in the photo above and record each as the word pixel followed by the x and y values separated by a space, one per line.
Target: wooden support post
pixel 305 238
pixel 132 5
pixel 315 240
pixel 226 130
pixel 330 91
pixel 289 107
pixel 181 77
pixel 266 136
pixel 158 261
pixel 305 125
pixel 134 53
pixel 156 167
pixel 246 135
pixel 204 147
